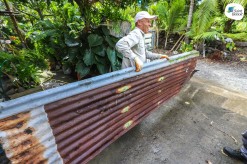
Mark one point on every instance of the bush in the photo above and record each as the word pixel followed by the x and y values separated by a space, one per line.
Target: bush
pixel 23 69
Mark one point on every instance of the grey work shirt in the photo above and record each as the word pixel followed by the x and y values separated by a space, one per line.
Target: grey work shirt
pixel 133 45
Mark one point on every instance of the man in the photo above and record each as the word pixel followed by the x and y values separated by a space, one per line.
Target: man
pixel 240 154
pixel 132 46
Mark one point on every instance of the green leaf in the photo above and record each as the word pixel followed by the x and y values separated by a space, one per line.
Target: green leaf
pixel 70 41
pixel 110 41
pixel 94 40
pixel 103 68
pixel 88 58
pixel 72 53
pixel 116 67
pixel 119 55
pixel 99 50
pixel 100 59
pixel 82 69
pixel 105 30
pixel 111 55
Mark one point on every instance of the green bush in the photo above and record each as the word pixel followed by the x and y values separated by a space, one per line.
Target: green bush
pixel 186 47
pixel 94 54
pixel 23 69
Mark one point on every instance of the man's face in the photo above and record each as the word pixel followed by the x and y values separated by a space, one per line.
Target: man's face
pixel 144 24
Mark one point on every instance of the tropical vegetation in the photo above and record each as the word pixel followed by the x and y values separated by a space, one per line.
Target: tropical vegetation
pixel 76 35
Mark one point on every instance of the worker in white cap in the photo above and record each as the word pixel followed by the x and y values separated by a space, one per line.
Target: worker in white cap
pixel 132 46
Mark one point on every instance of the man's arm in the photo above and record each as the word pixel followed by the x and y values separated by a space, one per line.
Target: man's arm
pixel 125 44
pixel 152 56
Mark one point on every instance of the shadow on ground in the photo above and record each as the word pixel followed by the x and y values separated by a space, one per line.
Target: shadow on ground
pixel 190 128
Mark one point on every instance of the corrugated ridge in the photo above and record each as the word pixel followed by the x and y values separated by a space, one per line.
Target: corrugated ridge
pixel 74 120
pixel 69 116
pixel 71 123
pixel 93 131
pixel 103 146
pixel 67 133
pixel 115 129
pixel 87 96
pixel 27 137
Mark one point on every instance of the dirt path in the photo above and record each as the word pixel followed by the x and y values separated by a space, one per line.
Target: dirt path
pixel 209 113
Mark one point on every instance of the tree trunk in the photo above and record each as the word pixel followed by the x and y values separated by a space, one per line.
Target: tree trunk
pixel 40 13
pixel 189 19
pixel 85 7
pixel 35 6
pixel 228 25
pixel 167 35
pixel 203 49
pixel 24 45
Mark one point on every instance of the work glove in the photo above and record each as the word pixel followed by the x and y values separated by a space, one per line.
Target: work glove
pixel 164 56
pixel 138 64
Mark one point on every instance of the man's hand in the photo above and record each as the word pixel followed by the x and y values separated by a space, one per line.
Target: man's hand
pixel 164 56
pixel 138 64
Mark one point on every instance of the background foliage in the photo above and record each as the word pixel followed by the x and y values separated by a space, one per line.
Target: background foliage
pixel 73 35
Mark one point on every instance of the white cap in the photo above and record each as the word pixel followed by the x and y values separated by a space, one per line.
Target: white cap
pixel 143 14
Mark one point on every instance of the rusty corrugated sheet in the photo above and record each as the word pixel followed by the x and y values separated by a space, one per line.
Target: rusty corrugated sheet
pixel 27 138
pixel 86 116
pixel 83 120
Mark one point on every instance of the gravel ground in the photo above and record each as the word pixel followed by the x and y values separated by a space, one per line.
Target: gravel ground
pixel 231 75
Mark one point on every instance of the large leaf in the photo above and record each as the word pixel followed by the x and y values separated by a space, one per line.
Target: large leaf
pixel 88 58
pixel 99 50
pixel 94 40
pixel 72 53
pixel 101 60
pixel 82 69
pixel 111 54
pixel 105 30
pixel 70 41
pixel 117 66
pixel 110 41
pixel 103 68
pixel 119 55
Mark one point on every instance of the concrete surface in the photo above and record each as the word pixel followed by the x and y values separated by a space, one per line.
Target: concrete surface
pixel 192 127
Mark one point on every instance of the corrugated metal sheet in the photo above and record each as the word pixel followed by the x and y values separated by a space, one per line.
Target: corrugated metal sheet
pixel 86 116
pixel 28 138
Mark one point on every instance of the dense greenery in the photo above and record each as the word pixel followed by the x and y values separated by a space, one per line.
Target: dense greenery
pixel 74 34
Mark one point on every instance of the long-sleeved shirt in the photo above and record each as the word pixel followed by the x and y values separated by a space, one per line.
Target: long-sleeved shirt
pixel 133 45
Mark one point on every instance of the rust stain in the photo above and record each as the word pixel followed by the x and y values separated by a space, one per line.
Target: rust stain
pixel 22 146
pixel 13 122
pixel 123 89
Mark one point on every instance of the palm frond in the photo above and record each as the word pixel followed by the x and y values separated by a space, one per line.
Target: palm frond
pixel 176 8
pixel 212 35
pixel 202 19
pixel 242 2
pixel 161 10
pixel 237 36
